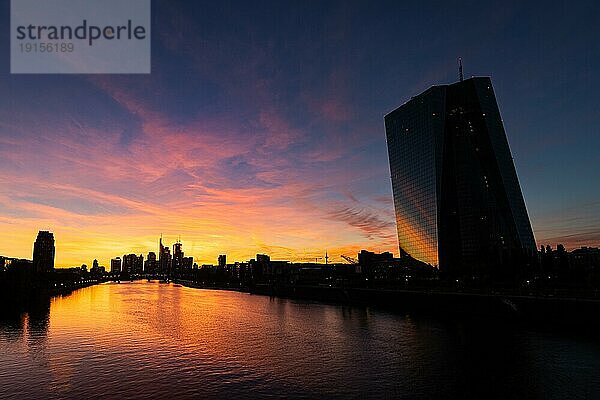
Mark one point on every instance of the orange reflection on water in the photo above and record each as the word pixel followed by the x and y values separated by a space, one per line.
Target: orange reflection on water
pixel 149 340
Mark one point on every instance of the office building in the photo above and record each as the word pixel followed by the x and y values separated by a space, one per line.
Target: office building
pixel 115 265
pixel 43 252
pixel 151 265
pixel 457 199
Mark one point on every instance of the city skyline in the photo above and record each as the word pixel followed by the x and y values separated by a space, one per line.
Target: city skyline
pixel 220 259
pixel 328 199
pixel 258 149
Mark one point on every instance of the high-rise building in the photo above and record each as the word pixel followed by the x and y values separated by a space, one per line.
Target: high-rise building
pixel 457 198
pixel 187 264
pixel 222 260
pixel 43 252
pixel 178 256
pixel 150 267
pixel 260 266
pixel 97 270
pixel 115 265
pixel 138 265
pixel 133 264
pixel 164 259
pixel 128 261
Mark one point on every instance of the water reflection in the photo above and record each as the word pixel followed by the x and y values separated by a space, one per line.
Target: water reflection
pixel 29 320
pixel 151 340
pixel 12 326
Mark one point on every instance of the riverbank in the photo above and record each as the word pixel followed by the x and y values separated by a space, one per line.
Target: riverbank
pixel 17 299
pixel 536 309
pixel 195 285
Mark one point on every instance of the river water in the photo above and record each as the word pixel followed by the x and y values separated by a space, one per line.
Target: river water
pixel 150 340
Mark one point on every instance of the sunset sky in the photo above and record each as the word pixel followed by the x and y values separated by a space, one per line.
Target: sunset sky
pixel 260 128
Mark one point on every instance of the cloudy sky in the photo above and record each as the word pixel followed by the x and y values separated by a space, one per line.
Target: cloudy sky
pixel 260 128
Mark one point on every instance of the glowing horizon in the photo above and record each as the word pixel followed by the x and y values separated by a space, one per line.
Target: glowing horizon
pixel 263 133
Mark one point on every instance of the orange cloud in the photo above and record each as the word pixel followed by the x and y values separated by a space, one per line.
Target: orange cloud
pixel 222 192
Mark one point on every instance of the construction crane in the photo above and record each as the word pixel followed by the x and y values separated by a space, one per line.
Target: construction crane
pixel 350 260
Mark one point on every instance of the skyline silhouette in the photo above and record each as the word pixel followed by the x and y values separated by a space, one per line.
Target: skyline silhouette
pixel 241 142
pixel 299 199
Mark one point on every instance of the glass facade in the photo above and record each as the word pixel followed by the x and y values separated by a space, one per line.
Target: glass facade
pixel 414 140
pixel 499 142
pixel 457 198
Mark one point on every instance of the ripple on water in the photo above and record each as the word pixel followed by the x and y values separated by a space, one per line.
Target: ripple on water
pixel 150 340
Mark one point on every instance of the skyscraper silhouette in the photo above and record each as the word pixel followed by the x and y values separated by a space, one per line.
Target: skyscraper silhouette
pixel 457 198
pixel 115 265
pixel 164 259
pixel 178 256
pixel 43 252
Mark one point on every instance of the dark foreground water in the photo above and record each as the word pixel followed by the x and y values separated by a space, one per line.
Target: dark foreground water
pixel 150 340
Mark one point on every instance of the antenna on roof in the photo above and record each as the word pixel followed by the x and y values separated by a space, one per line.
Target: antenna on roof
pixel 460 70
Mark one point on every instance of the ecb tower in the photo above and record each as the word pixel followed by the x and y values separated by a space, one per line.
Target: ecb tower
pixel 457 198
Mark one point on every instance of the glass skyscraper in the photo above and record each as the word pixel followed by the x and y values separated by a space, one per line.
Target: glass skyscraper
pixel 457 198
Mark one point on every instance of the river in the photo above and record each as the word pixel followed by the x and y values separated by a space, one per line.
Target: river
pixel 151 340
